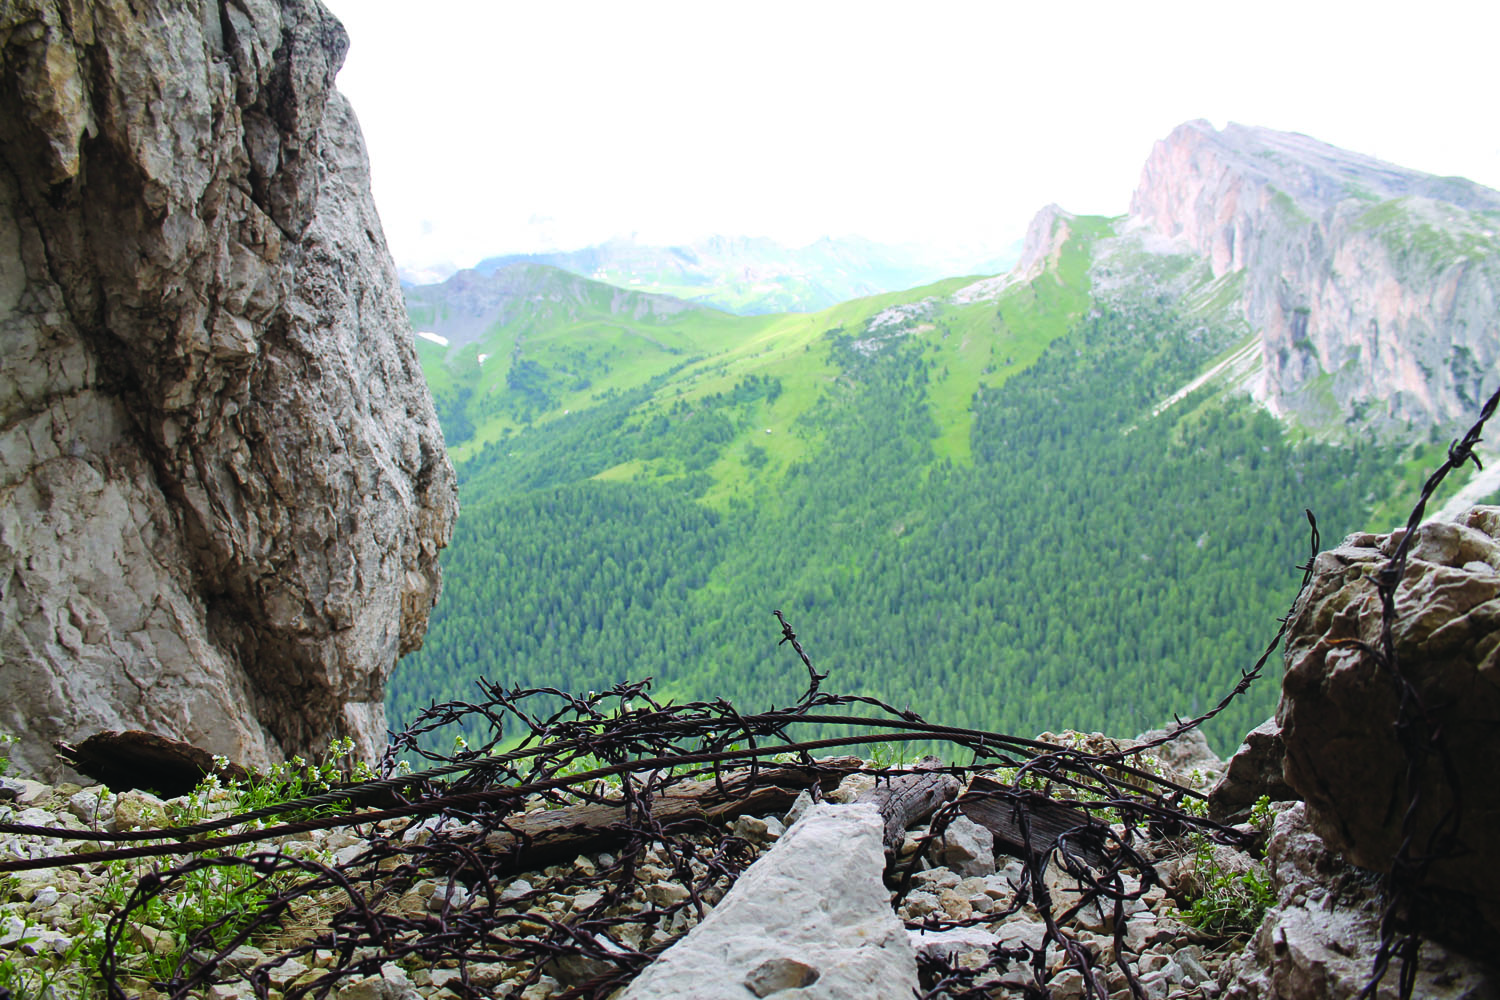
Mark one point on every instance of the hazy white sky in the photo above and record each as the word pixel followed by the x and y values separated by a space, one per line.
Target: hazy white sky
pixel 499 127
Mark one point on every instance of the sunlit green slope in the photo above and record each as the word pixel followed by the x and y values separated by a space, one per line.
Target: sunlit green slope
pixel 569 344
pixel 1000 504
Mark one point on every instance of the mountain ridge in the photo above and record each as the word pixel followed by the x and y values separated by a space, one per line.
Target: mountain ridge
pixel 1373 288
pixel 1057 490
pixel 464 307
pixel 756 275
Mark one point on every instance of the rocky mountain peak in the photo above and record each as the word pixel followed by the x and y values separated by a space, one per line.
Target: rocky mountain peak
pixel 1045 236
pixel 1372 287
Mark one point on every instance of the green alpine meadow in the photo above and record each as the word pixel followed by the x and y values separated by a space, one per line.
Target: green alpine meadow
pixel 1053 498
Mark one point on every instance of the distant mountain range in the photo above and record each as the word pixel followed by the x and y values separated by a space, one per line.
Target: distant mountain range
pixel 753 276
pixel 1066 494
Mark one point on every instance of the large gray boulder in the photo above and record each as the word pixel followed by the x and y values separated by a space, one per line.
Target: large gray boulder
pixel 1338 708
pixel 1319 938
pixel 811 918
pixel 222 485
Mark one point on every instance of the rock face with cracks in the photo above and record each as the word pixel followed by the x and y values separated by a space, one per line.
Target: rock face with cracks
pixel 1338 709
pixel 1373 287
pixel 1319 938
pixel 811 918
pixel 222 485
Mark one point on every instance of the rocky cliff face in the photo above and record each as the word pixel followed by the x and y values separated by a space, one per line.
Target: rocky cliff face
pixel 1373 288
pixel 1049 230
pixel 222 485
pixel 1340 710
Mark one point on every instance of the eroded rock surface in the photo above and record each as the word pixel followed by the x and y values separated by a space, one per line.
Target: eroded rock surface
pixel 1318 940
pixel 222 485
pixel 811 917
pixel 1339 705
pixel 1255 771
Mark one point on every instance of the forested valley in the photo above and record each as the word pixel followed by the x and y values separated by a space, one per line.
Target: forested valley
pixel 1094 566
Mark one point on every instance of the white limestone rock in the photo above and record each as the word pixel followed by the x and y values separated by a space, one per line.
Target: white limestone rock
pixel 815 902
pixel 966 848
pixel 952 943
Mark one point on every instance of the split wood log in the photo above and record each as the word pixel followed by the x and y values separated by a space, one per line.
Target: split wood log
pixel 907 799
pixel 537 839
pixel 1001 809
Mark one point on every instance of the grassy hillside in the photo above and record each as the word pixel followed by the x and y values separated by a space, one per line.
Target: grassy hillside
pixel 580 344
pixel 983 510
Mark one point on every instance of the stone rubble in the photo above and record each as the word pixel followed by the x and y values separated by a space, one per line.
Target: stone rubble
pixel 1307 948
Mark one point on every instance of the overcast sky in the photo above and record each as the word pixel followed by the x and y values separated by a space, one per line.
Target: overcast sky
pixel 498 127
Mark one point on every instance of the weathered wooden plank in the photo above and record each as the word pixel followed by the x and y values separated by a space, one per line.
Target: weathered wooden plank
pixel 994 805
pixel 539 838
pixel 907 799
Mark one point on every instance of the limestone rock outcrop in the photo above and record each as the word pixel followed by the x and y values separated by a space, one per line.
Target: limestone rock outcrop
pixel 1373 287
pixel 1338 708
pixel 1255 771
pixel 1046 235
pixel 812 916
pixel 1318 939
pixel 222 485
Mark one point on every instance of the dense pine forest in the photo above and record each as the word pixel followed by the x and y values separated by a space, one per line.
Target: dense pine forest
pixel 1093 566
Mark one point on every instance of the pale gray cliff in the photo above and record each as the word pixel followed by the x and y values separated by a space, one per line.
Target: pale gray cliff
pixel 1373 288
pixel 222 485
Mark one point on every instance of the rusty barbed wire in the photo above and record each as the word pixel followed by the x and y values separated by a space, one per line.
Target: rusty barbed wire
pixel 463 825
pixel 1420 734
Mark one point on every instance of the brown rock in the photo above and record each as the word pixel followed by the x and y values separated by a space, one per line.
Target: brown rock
pixel 1254 771
pixel 1339 705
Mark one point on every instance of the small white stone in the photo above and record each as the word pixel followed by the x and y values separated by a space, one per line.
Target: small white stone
pixel 45 897
pixel 584 900
pixel 1066 985
pixel 800 805
pixel 750 828
pixel 347 855
pixel 12 929
pixel 515 890
pixel 951 943
pixel 666 894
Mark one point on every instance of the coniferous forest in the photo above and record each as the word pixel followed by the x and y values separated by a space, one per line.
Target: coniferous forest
pixel 1093 566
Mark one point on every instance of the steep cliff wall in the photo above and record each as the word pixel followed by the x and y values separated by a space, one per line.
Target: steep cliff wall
pixel 1374 288
pixel 222 485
